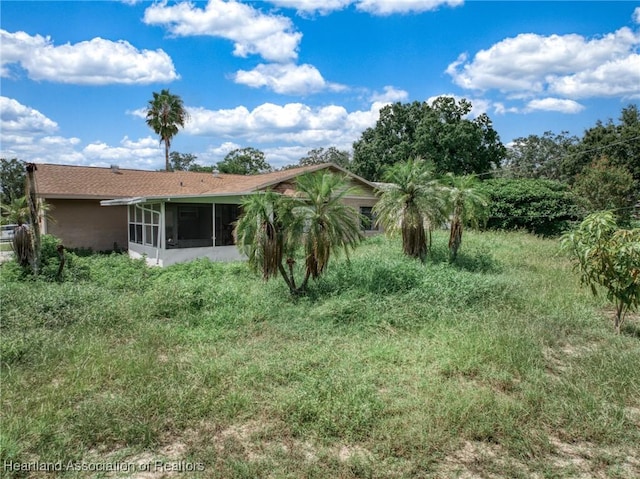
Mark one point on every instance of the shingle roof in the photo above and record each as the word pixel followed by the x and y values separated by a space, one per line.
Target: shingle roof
pixel 63 181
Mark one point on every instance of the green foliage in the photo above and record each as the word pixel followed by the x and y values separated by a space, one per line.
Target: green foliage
pixel 620 142
pixel 165 114
pixel 244 161
pixel 12 180
pixel 16 212
pixel 606 187
pixel 411 203
pixel 608 257
pixel 503 365
pixel 186 162
pixel 260 234
pixel 441 132
pixel 273 227
pixel 319 156
pixel 540 206
pixel 539 156
pixel 466 206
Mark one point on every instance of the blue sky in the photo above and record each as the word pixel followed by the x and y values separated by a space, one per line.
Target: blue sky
pixel 286 76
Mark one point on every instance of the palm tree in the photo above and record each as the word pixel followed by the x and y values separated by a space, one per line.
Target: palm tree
pixel 466 206
pixel 16 212
pixel 411 203
pixel 322 222
pixel 19 213
pixel 273 227
pixel 259 233
pixel 165 113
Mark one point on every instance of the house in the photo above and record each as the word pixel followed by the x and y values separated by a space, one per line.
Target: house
pixel 167 217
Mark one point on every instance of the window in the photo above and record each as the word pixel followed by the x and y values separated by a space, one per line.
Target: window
pixel 189 225
pixel 226 216
pixel 368 219
pixel 143 224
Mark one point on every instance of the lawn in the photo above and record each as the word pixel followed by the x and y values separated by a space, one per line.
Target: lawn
pixel 501 365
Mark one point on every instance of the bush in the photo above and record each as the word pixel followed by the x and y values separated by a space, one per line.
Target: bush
pixel 542 207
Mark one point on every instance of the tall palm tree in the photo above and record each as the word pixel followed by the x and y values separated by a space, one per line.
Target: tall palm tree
pixel 165 113
pixel 411 203
pixel 466 206
pixel 272 228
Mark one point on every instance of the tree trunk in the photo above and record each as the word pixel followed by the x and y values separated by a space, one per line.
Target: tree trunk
pixel 455 238
pixel 166 156
pixel 34 216
pixel 618 320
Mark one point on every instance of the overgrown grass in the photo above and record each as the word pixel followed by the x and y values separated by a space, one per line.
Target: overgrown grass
pixel 499 364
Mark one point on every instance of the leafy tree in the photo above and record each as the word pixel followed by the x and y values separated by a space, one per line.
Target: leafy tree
pixel 244 161
pixel 620 143
pixel 272 228
pixel 467 205
pixel 319 156
pixel 608 257
pixel 440 132
pixel 182 162
pixel 187 162
pixel 606 187
pixel 411 203
pixel 538 156
pixel 12 179
pixel 165 114
pixel 542 207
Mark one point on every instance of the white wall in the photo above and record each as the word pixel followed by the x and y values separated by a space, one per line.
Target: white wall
pixel 182 255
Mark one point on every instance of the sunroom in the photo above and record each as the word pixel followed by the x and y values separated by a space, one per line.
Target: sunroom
pixel 172 230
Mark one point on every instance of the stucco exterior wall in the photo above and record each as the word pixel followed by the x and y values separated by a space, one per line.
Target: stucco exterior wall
pixel 357 203
pixel 86 224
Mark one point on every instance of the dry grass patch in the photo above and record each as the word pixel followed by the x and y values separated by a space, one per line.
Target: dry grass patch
pixel 585 460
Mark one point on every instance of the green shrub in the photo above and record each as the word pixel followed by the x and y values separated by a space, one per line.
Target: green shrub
pixel 542 207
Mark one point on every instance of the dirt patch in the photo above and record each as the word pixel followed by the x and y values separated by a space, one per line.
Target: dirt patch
pixel 349 453
pixel 585 460
pixel 255 441
pixel 559 359
pixel 480 460
pixel 633 414
pixel 165 463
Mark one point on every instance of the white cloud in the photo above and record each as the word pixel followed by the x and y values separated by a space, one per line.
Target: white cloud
pixel 146 150
pixel 214 154
pixel 292 123
pixel 289 155
pixel 18 118
pixel 555 104
pixel 288 79
pixel 636 15
pixel 390 95
pixel 306 7
pixel 253 32
pixel 93 62
pixel 374 7
pixel 389 7
pixel 573 65
pixel 27 134
pixel 616 78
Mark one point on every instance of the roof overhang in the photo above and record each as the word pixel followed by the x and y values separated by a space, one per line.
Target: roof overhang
pixel 156 199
